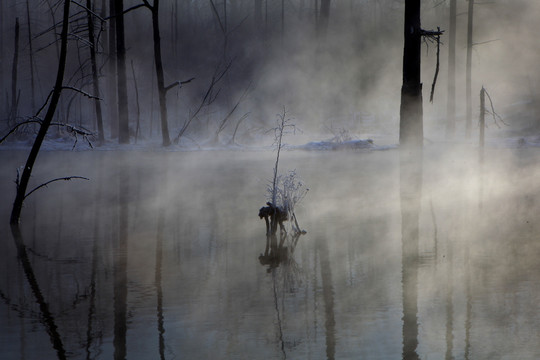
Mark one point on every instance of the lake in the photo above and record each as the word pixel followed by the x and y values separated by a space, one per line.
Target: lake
pixel 162 255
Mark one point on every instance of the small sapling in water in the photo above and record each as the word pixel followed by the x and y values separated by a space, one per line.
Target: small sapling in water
pixel 285 191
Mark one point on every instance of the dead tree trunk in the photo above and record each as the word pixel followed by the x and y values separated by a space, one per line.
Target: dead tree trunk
pixel 111 68
pixel 123 117
pixel 323 18
pixel 2 109
pixel 482 121
pixel 31 55
pixel 14 69
pixel 451 96
pixel 95 80
pixel 468 76
pixel 258 15
pixel 22 184
pixel 411 131
pixel 162 90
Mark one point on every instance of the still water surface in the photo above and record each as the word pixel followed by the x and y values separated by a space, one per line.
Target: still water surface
pixel 160 255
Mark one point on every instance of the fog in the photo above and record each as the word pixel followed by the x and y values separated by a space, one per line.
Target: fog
pixel 160 252
pixel 196 284
pixel 347 77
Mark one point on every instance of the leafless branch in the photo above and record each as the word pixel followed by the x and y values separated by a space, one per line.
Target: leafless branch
pixel 437 66
pixel 176 83
pixel 493 113
pixel 224 121
pixel 81 92
pixel 206 100
pixel 126 11
pixel 68 178
pixel 485 42
pixel 13 129
pixel 214 10
pixel 88 10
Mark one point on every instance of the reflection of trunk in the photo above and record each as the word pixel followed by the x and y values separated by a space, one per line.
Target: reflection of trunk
pixel 276 306
pixel 159 260
pixel 328 296
pixel 92 300
pixel 449 303
pixel 47 317
pixel 468 311
pixel 120 270
pixel 410 193
pixel 451 102
pixel 411 131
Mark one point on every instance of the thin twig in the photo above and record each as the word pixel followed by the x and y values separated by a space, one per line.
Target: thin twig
pixel 436 68
pixel 67 178
pixel 81 92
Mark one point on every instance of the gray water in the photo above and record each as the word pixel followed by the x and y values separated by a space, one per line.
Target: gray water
pixel 160 255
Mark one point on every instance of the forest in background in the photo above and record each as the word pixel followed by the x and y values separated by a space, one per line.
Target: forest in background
pixel 334 65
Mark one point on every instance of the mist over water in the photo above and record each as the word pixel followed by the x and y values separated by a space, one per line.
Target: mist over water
pixel 158 256
pixel 161 254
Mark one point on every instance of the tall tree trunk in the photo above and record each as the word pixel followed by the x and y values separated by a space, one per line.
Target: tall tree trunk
pixel 451 96
pixel 14 70
pixel 111 82
pixel 2 56
pixel 468 90
pixel 25 178
pixel 162 92
pixel 324 18
pixel 258 15
pixel 95 80
pixel 31 55
pixel 123 116
pixel 411 132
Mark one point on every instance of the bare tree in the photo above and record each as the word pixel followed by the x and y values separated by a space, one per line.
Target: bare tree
pixel 111 70
pixel 451 96
pixel 411 128
pixel 22 184
pixel 123 116
pixel 468 75
pixel 31 56
pixel 324 17
pixel 95 80
pixel 14 71
pixel 411 132
pixel 162 89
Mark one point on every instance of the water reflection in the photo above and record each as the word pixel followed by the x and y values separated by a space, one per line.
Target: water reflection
pixel 275 254
pixel 410 194
pixel 328 297
pixel 46 315
pixel 159 259
pixel 120 265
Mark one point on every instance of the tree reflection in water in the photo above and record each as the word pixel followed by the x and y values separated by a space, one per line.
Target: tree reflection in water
pixel 410 194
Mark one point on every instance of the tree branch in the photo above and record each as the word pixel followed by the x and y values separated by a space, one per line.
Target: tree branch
pixel 88 10
pixel 127 10
pixel 81 92
pixel 13 129
pixel 53 180
pixel 176 83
